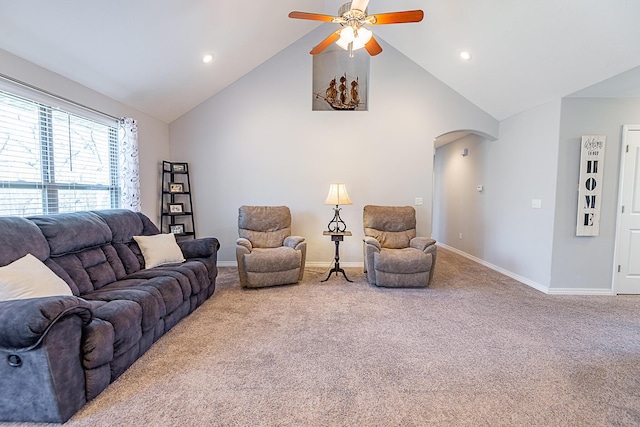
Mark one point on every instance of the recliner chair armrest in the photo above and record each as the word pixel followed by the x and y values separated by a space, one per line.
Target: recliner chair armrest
pixel 368 240
pixel 245 243
pixel 421 243
pixel 293 241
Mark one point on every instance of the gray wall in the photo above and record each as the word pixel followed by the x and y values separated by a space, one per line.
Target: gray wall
pixel 537 156
pixel 585 264
pixel 499 225
pixel 258 142
pixel 153 135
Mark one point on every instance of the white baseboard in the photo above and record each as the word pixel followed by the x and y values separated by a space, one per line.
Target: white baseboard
pixel 531 283
pixel 528 282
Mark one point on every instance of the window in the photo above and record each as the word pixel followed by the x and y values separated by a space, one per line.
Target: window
pixel 54 161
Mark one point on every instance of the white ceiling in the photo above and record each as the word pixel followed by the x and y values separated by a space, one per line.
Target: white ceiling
pixel 146 53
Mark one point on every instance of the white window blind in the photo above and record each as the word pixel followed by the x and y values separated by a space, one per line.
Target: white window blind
pixel 54 161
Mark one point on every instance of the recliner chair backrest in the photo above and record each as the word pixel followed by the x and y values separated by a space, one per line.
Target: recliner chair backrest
pixel 264 226
pixel 392 226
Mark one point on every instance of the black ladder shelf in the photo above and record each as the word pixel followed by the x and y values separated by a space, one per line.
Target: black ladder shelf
pixel 176 206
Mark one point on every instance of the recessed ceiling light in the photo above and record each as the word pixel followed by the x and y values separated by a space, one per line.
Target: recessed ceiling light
pixel 207 57
pixel 465 55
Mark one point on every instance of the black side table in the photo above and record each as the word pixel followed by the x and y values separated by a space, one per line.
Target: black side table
pixel 337 237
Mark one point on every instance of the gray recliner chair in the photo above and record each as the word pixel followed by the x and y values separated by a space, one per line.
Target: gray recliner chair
pixel 393 255
pixel 266 252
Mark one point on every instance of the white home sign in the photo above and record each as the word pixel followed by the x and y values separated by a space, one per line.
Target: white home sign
pixel 590 187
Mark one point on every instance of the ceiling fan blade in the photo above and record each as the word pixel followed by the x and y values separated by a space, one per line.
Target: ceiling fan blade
pixel 360 5
pixel 311 16
pixel 396 17
pixel 373 47
pixel 325 43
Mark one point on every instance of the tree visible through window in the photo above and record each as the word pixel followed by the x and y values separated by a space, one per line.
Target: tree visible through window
pixel 53 161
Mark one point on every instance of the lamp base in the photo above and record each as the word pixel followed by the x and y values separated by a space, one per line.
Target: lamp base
pixel 337 225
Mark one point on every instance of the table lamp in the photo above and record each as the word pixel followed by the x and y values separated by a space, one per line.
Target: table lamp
pixel 337 196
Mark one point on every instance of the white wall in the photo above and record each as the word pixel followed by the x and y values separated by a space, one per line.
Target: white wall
pixel 153 134
pixel 499 225
pixel 585 264
pixel 258 142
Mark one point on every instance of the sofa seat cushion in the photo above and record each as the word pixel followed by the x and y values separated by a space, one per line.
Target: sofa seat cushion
pixel 404 261
pixel 283 258
pixel 148 298
pixel 125 318
pixel 192 276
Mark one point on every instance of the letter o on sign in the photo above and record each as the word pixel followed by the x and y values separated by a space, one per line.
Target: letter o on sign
pixel 590 184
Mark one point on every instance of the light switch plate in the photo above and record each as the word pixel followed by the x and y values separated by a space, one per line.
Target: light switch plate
pixel 536 203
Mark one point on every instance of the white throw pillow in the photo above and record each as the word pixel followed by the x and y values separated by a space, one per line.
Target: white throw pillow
pixel 28 277
pixel 159 249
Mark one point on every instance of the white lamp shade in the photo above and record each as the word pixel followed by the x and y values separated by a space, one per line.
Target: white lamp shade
pixel 337 195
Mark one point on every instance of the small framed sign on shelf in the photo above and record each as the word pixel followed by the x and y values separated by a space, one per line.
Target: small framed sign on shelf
pixel 176 208
pixel 177 228
pixel 179 167
pixel 176 187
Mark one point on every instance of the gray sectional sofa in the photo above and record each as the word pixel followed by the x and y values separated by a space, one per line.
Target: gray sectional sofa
pixel 58 352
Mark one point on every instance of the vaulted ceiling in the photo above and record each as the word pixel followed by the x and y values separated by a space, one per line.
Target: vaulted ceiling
pixel 147 53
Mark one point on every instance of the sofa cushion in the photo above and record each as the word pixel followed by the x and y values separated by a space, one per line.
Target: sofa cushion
pixel 124 224
pixel 72 232
pixel 92 268
pixel 136 291
pixel 28 277
pixel 189 276
pixel 20 237
pixel 125 319
pixel 159 249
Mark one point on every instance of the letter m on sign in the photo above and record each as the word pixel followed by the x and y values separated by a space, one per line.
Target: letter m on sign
pixel 591 202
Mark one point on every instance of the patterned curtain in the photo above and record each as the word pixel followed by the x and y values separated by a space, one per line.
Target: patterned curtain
pixel 128 159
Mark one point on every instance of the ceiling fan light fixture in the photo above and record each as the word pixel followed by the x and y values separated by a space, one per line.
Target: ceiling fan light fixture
pixel 360 39
pixel 347 35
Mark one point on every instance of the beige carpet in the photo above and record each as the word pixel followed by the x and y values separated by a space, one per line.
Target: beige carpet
pixel 475 349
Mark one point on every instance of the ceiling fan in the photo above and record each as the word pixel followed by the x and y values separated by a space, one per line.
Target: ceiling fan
pixel 352 18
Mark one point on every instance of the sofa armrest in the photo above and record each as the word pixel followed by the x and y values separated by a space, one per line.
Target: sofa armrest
pixel 421 243
pixel 199 248
pixel 25 322
pixel 293 241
